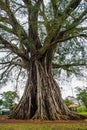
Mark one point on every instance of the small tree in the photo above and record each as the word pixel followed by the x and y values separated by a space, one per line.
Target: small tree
pixel 68 102
pixel 82 95
pixel 8 98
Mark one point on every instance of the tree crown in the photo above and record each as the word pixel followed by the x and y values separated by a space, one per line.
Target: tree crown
pixel 33 28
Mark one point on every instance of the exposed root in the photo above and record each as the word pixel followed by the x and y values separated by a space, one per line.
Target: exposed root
pixel 76 116
pixel 42 98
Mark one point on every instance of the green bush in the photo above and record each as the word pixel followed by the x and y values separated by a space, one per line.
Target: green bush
pixel 81 109
pixel 68 102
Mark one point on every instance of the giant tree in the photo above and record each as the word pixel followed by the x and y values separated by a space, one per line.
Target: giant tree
pixel 31 32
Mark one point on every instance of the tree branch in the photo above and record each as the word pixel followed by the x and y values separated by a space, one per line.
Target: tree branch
pixel 3 73
pixel 71 7
pixel 46 21
pixel 5 28
pixel 72 26
pixel 27 2
pixel 16 63
pixel 63 35
pixel 12 47
pixel 4 19
pixel 33 23
pixel 17 28
pixel 55 66
pixel 55 8
pixel 19 4
pixel 53 34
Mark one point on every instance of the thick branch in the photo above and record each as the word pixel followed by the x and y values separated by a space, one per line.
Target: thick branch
pixel 4 19
pixel 71 7
pixel 16 63
pixel 56 66
pixel 17 28
pixel 63 35
pixel 46 21
pixel 33 23
pixel 19 4
pixel 54 35
pixel 27 2
pixel 55 8
pixel 72 27
pixel 11 47
pixel 4 72
pixel 5 28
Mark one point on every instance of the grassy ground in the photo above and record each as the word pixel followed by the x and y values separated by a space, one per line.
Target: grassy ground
pixel 43 127
pixel 83 113
pixel 6 124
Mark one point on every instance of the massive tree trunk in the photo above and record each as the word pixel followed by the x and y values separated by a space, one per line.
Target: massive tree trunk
pixel 42 97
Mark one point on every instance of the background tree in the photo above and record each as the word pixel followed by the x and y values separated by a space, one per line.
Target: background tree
pixel 9 98
pixel 68 102
pixel 82 95
pixel 33 34
pixel 1 102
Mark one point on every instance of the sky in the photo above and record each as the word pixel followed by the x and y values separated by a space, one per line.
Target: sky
pixel 68 88
pixel 68 85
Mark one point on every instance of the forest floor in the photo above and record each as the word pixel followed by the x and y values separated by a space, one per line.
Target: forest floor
pixel 5 120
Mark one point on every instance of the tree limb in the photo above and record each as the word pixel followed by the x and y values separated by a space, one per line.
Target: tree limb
pixel 5 28
pixel 33 23
pixel 12 47
pixel 71 7
pixel 61 36
pixel 55 66
pixel 18 30
pixel 4 19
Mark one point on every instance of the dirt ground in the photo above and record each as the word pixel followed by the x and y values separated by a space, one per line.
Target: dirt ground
pixel 4 120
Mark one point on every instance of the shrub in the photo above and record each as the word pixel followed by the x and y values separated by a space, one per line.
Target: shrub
pixel 81 109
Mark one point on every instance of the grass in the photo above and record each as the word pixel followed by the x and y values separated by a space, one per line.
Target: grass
pixel 43 127
pixel 83 113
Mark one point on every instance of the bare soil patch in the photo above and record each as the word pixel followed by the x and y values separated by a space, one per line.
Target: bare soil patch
pixel 5 120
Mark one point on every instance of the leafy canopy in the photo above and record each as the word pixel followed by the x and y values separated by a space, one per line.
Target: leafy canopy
pixel 82 95
pixel 30 28
pixel 8 99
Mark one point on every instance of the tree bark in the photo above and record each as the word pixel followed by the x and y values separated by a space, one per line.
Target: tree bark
pixel 42 97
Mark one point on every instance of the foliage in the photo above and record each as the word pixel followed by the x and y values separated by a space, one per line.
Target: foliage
pixel 81 109
pixel 57 25
pixel 8 98
pixel 68 102
pixel 82 95
pixel 83 113
pixel 1 102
